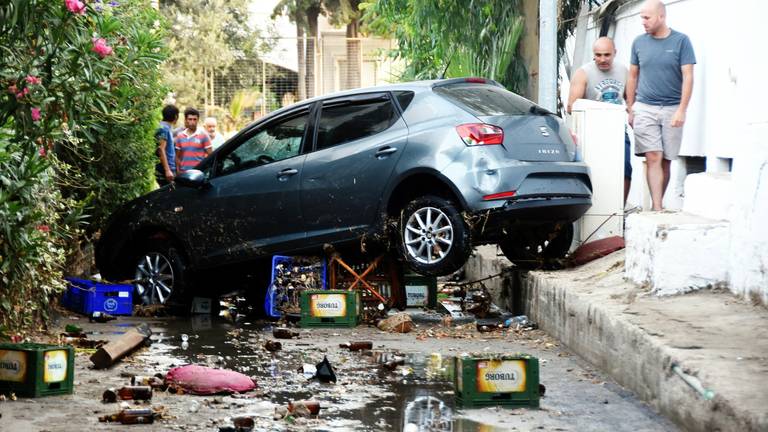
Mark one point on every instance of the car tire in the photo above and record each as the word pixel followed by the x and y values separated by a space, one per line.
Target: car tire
pixel 538 247
pixel 160 275
pixel 434 239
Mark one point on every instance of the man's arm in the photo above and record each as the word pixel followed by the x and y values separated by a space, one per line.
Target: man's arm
pixel 578 88
pixel 679 118
pixel 161 144
pixel 631 90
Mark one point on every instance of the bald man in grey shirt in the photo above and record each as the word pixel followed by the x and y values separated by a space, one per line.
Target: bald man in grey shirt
pixel 658 91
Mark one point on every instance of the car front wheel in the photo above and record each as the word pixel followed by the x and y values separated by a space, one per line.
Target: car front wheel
pixel 434 238
pixel 159 275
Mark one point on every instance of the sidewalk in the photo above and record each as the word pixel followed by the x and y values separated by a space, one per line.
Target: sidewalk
pixel 636 338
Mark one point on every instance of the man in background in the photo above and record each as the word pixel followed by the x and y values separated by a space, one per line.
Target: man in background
pixel 603 80
pixel 658 91
pixel 165 170
pixel 192 145
pixel 210 125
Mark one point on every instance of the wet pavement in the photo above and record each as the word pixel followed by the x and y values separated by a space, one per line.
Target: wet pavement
pixel 415 396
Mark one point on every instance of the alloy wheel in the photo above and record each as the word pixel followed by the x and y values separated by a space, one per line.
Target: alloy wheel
pixel 154 278
pixel 428 235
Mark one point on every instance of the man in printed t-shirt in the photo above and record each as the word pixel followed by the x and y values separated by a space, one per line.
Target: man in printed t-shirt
pixel 192 145
pixel 603 80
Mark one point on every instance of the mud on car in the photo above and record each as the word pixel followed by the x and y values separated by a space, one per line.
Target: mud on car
pixel 436 167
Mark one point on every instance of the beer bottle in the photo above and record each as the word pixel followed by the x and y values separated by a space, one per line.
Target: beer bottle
pixel 312 406
pixel 357 346
pixel 135 393
pixel 131 416
pixel 101 317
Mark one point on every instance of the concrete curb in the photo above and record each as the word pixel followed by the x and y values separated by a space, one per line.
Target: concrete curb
pixel 593 311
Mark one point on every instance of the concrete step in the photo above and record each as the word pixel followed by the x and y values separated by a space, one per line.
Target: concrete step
pixel 709 195
pixel 676 252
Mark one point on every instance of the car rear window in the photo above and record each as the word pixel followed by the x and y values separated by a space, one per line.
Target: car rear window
pixel 484 99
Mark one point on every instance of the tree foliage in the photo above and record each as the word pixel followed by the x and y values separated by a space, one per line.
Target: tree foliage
pixel 453 37
pixel 80 87
pixel 206 36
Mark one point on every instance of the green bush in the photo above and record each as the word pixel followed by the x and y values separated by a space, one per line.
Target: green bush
pixel 79 92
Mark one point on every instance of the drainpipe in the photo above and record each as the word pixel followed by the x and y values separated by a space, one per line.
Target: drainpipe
pixel 548 54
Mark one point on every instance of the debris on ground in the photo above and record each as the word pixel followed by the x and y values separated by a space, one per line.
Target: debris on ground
pixel 110 353
pixel 127 393
pixel 398 323
pixel 325 373
pixel 284 333
pixel 149 311
pixel 202 380
pixel 100 317
pixel 272 346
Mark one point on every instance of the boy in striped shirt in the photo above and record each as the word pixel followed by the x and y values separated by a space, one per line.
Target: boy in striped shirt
pixel 192 145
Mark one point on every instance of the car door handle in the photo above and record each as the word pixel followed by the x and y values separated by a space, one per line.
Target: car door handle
pixel 287 173
pixel 385 151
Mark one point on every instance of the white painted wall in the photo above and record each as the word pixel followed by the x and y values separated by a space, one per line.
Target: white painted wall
pixel 748 255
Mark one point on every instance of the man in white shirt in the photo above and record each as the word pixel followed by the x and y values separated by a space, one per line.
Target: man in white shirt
pixel 210 125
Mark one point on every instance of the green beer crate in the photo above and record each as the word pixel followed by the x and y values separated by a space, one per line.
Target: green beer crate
pixel 34 370
pixel 330 308
pixel 483 380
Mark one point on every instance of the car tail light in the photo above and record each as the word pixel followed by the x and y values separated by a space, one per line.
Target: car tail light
pixel 500 195
pixel 475 134
pixel 476 80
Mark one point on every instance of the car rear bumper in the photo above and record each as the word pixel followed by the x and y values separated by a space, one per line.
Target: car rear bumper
pixel 515 214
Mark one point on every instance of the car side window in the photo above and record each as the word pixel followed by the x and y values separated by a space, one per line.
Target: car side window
pixel 349 122
pixel 277 141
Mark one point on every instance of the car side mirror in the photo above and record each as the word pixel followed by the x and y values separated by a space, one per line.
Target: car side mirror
pixel 192 178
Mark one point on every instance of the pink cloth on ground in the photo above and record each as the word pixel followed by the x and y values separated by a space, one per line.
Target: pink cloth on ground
pixel 203 380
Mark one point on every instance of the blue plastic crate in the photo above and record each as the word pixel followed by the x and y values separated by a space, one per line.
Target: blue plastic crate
pixel 87 296
pixel 277 294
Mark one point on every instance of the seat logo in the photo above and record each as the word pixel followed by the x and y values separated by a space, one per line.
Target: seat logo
pixel 544 131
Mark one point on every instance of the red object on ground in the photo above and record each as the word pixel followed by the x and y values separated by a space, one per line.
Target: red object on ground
pixel 596 249
pixel 203 380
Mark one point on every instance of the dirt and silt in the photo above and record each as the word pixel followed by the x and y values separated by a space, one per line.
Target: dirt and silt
pixel 373 392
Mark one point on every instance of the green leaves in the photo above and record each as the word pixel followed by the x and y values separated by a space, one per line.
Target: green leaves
pixel 92 148
pixel 458 37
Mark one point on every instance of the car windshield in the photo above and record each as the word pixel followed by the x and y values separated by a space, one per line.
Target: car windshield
pixel 484 99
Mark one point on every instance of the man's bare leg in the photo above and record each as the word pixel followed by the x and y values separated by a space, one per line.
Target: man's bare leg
pixel 655 176
pixel 665 167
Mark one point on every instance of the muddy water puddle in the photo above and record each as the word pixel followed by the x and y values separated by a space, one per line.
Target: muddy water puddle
pixel 375 390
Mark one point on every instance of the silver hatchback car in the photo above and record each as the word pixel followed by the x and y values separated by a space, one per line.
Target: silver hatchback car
pixel 426 168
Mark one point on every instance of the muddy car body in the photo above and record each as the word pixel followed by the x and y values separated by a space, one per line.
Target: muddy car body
pixel 435 167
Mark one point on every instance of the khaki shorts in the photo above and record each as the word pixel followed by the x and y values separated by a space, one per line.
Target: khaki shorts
pixel 653 131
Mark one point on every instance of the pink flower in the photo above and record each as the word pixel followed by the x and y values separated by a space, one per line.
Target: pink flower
pixel 12 89
pixel 75 6
pixel 22 93
pixel 101 48
pixel 42 151
pixel 43 228
pixel 33 80
pixel 36 114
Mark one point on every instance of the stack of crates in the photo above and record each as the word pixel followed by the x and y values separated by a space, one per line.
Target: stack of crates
pixel 330 308
pixel 34 370
pixel 510 380
pixel 87 296
pixel 278 294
